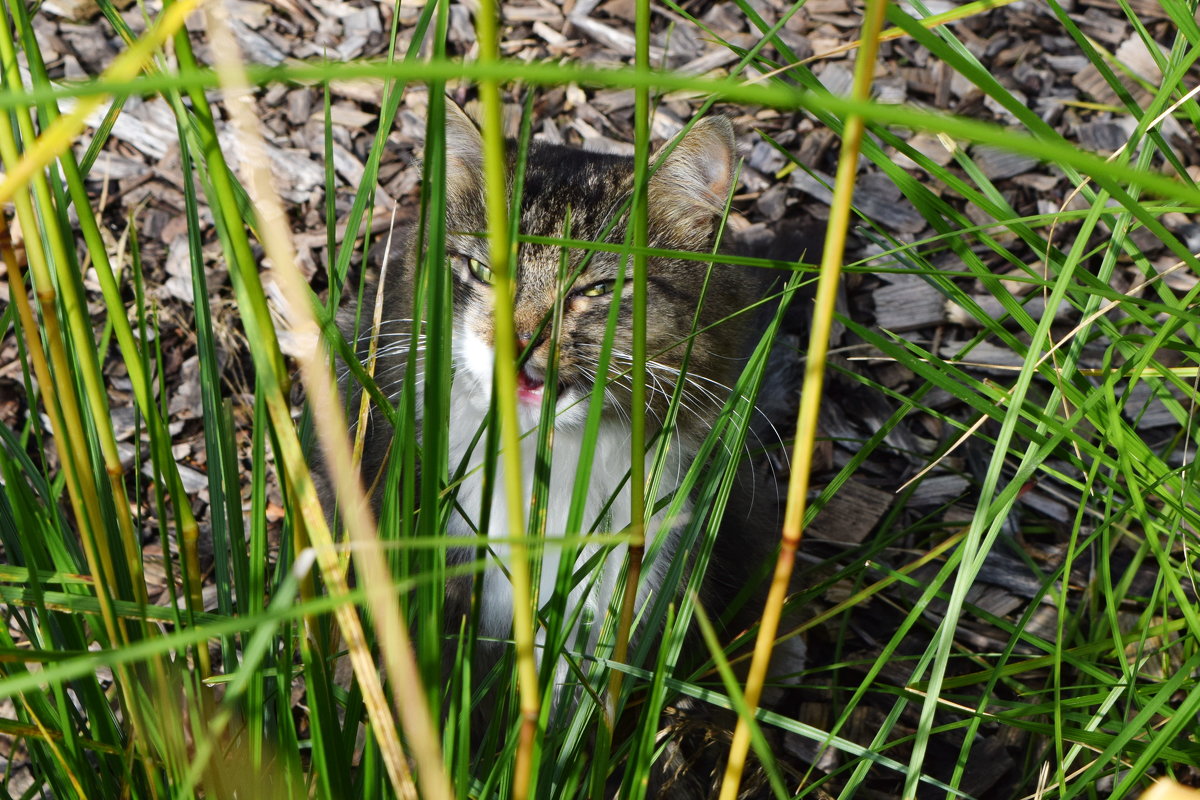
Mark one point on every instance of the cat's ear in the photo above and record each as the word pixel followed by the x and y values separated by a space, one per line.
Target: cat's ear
pixel 464 145
pixel 689 188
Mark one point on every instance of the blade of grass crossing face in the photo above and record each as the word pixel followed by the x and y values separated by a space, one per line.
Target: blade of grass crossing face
pixel 587 710
pixel 505 381
pixel 637 416
pixel 720 429
pixel 540 498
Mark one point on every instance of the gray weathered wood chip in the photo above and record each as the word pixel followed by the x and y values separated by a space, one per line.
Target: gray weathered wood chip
pixel 998 164
pixel 907 302
pixel 852 513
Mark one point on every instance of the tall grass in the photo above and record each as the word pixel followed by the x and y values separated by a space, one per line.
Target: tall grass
pixel 113 696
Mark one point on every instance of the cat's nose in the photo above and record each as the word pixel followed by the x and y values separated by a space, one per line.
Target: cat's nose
pixel 523 340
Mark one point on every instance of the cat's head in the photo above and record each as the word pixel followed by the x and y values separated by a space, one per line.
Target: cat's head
pixel 574 194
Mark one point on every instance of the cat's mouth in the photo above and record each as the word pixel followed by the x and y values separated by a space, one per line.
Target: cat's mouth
pixel 529 389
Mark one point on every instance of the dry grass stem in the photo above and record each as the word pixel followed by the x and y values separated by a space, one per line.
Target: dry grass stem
pixel 391 629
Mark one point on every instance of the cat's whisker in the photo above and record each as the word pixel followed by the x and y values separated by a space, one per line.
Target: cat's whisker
pixel 686 393
pixel 414 360
pixel 695 398
pixel 398 339
pixel 405 351
pixel 380 374
pixel 391 340
pixel 389 322
pixel 608 394
pixel 694 380
pixel 367 336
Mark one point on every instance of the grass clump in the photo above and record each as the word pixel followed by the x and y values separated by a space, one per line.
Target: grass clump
pixel 1072 328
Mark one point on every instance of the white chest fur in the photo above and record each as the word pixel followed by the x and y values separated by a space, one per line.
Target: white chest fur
pixel 606 509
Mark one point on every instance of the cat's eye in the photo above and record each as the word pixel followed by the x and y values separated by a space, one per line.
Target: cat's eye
pixel 597 289
pixel 481 271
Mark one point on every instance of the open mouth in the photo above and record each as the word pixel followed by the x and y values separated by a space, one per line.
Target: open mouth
pixel 529 390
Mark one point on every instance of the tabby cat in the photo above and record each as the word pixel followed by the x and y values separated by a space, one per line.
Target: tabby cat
pixel 580 195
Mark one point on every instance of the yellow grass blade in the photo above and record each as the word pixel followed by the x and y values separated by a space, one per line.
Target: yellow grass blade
pixel 810 399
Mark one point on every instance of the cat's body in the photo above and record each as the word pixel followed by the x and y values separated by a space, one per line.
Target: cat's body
pixel 578 195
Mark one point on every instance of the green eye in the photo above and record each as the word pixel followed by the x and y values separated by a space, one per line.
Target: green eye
pixel 597 289
pixel 481 271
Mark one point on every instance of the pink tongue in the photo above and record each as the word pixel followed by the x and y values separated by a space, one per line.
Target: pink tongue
pixel 528 389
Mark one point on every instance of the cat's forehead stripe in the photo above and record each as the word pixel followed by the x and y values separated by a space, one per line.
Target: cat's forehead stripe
pixel 572 191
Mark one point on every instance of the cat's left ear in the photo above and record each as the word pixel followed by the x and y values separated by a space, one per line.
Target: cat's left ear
pixel 464 148
pixel 692 183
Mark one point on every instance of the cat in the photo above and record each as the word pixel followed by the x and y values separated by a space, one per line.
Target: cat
pixel 581 195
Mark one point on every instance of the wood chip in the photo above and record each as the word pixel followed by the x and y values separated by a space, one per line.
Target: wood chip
pixel 186 401
pixel 1145 405
pixel 114 166
pixel 1039 182
pixel 255 46
pixel 1105 28
pixel 907 302
pixel 881 201
pixel 346 116
pixel 550 35
pixel 772 204
pixel 937 490
pixel 609 36
pixel 998 164
pixel 928 145
pixel 852 513
pixel 983 356
pixel 544 13
pixel 837 78
pixel 74 10
pixel 891 90
pixel 817 185
pixel 1102 137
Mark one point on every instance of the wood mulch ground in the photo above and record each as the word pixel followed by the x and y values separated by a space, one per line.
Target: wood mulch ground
pixel 138 178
